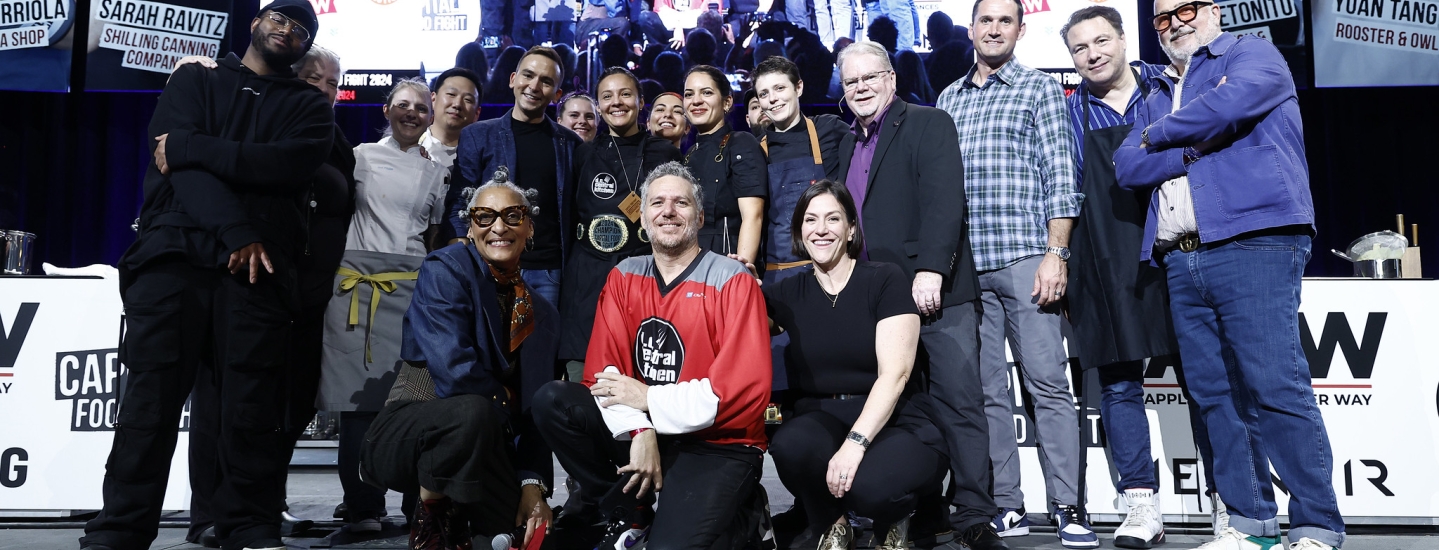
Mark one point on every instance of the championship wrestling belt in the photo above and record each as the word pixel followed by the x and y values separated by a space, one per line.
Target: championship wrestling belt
pixel 607 232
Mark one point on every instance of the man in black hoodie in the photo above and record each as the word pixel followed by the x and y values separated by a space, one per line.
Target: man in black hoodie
pixel 210 282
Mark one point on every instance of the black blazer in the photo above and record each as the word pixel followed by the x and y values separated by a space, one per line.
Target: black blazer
pixel 914 211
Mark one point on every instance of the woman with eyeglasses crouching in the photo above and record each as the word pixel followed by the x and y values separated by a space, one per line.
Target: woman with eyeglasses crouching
pixel 861 438
pixel 457 426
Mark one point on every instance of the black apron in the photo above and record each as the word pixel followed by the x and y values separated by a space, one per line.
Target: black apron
pixel 1118 306
pixel 787 181
pixel 604 237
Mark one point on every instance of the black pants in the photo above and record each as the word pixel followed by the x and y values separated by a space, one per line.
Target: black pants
pixel 457 446
pixel 180 321
pixel 707 488
pixel 302 383
pixel 896 470
pixel 950 343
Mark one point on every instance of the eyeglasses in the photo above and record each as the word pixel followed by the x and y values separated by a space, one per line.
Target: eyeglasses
pixel 870 80
pixel 512 216
pixel 285 22
pixel 1185 13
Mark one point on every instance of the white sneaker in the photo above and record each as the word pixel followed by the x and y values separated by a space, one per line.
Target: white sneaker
pixel 1307 543
pixel 1218 514
pixel 1231 539
pixel 1144 526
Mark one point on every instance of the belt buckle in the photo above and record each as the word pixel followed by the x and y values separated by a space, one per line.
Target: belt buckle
pixel 1189 242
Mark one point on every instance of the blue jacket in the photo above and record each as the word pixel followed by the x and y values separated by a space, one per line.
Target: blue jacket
pixel 454 329
pixel 487 145
pixel 1256 176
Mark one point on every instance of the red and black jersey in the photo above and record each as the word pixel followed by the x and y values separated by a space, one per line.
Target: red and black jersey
pixel 701 343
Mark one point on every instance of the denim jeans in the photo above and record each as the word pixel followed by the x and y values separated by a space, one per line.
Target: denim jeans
pixel 545 282
pixel 902 12
pixel 1126 427
pixel 1235 306
pixel 835 19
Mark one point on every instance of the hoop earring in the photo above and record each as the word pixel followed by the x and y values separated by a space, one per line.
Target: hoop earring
pixel 529 244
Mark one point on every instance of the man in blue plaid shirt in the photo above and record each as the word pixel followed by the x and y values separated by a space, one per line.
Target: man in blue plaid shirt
pixel 1018 149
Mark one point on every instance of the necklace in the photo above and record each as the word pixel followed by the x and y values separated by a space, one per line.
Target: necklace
pixel 614 144
pixel 833 298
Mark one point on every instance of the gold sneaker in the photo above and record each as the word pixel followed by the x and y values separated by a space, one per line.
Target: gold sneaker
pixel 839 537
pixel 898 537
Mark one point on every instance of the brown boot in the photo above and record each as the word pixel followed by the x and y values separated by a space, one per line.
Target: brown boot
pixel 439 526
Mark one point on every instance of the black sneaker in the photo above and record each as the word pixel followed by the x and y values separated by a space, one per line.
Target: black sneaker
pixel 981 536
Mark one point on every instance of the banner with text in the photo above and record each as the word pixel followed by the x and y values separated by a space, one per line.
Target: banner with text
pixel 35 44
pixel 1375 379
pixel 1376 43
pixel 60 385
pixel 134 44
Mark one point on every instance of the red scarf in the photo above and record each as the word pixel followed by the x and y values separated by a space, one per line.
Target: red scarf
pixel 522 311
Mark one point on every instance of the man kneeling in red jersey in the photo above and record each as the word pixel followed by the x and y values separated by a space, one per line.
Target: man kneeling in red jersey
pixel 677 376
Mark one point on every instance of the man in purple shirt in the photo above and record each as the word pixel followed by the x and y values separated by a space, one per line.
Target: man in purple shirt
pixel 908 183
pixel 1219 140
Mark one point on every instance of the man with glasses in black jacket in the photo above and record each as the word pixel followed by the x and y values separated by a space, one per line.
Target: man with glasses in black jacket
pixel 210 283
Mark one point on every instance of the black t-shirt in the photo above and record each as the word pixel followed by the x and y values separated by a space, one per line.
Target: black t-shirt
pixel 740 172
pixel 794 143
pixel 831 348
pixel 535 169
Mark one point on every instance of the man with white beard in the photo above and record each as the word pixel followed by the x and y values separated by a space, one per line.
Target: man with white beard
pixel 1231 221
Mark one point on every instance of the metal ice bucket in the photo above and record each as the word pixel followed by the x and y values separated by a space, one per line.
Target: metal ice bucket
pixel 17 251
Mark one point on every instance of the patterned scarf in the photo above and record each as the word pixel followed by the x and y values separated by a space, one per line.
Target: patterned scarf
pixel 522 311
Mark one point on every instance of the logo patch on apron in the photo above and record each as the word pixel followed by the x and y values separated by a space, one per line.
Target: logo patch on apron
pixel 603 186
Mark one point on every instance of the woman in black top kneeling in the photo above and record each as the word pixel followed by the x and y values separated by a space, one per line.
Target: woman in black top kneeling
pixel 860 440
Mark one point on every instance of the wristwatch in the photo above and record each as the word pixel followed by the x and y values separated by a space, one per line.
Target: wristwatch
pixel 1144 137
pixel 1062 252
pixel 860 439
pixel 1190 155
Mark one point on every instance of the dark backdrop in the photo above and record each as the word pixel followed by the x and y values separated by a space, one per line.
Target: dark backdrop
pixel 71 164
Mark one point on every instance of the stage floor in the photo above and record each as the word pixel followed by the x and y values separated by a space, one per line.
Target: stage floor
pixel 314 491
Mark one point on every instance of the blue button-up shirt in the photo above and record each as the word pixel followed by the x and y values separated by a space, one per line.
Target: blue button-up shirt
pixel 1255 176
pixel 1016 141
pixel 1102 116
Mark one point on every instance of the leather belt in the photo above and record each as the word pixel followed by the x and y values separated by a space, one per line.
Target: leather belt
pixel 843 396
pixel 786 265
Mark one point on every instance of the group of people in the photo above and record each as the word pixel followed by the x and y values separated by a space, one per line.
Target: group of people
pixel 481 298
pixel 710 33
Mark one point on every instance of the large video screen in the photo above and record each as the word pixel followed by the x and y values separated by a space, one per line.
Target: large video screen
pixel 1376 43
pixel 36 39
pixel 380 40
pixel 1041 47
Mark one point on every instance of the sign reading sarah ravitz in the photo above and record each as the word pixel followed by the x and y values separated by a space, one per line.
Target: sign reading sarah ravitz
pixel 134 44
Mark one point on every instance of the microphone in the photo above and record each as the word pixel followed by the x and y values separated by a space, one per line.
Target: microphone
pixel 513 539
pixel 508 541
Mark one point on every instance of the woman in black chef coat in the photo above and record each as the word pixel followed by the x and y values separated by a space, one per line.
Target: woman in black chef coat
pixel 729 164
pixel 605 201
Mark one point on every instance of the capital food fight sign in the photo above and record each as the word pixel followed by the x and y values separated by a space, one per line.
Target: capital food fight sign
pixel 61 387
